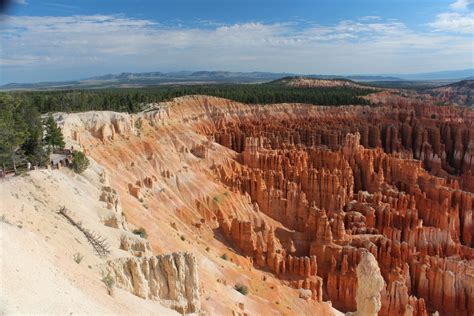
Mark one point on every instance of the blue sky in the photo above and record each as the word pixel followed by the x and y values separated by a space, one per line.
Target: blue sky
pixel 59 40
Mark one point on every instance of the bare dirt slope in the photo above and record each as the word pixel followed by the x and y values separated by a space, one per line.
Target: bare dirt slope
pixel 39 274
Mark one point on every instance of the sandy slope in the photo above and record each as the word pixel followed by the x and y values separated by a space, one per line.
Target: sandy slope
pixel 38 272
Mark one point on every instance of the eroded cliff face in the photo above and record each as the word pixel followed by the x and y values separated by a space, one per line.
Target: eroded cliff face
pixel 172 279
pixel 302 192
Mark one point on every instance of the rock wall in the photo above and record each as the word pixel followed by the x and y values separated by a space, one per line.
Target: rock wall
pixel 172 279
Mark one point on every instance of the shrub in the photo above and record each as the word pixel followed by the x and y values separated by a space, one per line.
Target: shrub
pixel 109 282
pixel 243 289
pixel 78 257
pixel 140 232
pixel 183 238
pixel 207 249
pixel 79 162
pixel 4 219
pixel 224 256
pixel 216 199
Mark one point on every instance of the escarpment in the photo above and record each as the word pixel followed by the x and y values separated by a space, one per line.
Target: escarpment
pixel 303 193
pixel 172 279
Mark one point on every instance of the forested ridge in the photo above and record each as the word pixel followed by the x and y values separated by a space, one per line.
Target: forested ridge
pixel 132 99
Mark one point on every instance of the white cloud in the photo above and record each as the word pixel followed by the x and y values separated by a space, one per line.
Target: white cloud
pixel 117 42
pixel 370 18
pixel 22 2
pixel 454 22
pixel 461 4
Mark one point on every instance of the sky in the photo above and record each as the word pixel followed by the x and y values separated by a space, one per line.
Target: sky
pixel 56 40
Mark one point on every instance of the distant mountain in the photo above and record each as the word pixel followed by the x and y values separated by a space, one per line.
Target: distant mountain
pixel 39 85
pixel 144 79
pixel 361 78
pixel 188 75
pixel 440 75
pixel 312 82
pixel 128 76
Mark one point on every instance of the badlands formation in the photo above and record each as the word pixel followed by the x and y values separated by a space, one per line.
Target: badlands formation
pixel 316 210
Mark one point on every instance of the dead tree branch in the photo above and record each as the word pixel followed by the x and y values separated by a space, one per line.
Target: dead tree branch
pixel 98 242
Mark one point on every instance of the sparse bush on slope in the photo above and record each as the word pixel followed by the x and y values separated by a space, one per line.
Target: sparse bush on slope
pixel 79 162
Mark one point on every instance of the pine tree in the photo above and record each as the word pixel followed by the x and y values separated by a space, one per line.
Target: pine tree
pixel 79 162
pixel 34 147
pixel 54 137
pixel 12 131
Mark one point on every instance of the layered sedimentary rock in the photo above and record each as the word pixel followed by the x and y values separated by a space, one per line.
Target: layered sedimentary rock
pixel 172 279
pixel 304 192
pixel 408 200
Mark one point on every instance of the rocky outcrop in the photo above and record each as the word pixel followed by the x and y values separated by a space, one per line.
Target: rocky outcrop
pixel 369 285
pixel 172 279
pixel 458 93
pixel 116 218
pixel 135 245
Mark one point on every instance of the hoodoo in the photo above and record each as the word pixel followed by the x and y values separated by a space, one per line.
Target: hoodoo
pixel 369 285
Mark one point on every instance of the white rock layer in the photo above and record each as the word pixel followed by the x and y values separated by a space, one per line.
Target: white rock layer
pixel 172 279
pixel 369 285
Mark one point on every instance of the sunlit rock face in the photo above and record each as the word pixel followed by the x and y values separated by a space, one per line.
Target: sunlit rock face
pixel 305 193
pixel 171 279
pixel 369 285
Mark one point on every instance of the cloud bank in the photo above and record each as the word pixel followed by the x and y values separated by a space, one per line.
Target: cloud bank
pixel 365 45
pixel 461 4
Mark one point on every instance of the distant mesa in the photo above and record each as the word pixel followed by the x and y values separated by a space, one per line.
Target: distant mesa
pixel 155 78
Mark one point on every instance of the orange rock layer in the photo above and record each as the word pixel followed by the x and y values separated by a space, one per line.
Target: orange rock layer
pixel 397 182
pixel 303 191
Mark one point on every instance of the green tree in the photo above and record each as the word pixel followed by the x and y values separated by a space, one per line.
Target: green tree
pixel 34 146
pixel 79 162
pixel 54 137
pixel 34 149
pixel 13 131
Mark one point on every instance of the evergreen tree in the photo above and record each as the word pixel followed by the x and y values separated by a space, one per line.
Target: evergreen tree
pixel 34 147
pixel 54 137
pixel 79 162
pixel 13 132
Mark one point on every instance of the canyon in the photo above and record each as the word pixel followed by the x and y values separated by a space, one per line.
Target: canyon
pixel 316 210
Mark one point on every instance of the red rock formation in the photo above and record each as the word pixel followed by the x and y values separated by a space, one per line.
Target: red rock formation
pixel 318 186
pixel 408 200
